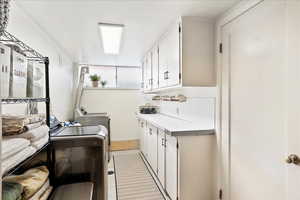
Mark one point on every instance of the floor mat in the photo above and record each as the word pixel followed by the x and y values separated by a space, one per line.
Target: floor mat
pixel 134 181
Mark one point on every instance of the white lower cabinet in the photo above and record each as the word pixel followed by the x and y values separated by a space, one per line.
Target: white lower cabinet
pixel 183 164
pixel 152 147
pixel 161 157
pixel 141 130
pixel 171 175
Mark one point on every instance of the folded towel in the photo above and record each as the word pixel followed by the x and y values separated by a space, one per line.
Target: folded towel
pixel 46 194
pixel 17 124
pixel 16 159
pixel 11 191
pixel 41 191
pixel 34 134
pixel 41 142
pixel 12 146
pixel 33 125
pixel 32 180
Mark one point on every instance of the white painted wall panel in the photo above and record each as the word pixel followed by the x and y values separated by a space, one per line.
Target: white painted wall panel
pixel 121 106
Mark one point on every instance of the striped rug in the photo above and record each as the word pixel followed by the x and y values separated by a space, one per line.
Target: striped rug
pixel 134 181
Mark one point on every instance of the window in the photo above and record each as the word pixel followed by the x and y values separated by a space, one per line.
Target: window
pixel 116 76
pixel 129 77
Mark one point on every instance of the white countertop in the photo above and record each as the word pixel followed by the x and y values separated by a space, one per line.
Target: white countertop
pixel 177 127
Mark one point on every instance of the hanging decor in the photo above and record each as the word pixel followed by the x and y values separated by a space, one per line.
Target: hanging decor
pixel 4 10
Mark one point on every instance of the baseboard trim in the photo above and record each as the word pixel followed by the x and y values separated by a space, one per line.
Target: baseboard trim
pixel 124 145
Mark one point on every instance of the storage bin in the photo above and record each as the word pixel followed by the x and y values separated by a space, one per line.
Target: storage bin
pixel 35 79
pixel 18 79
pixel 5 70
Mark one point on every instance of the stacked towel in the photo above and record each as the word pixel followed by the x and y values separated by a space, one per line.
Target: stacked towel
pixel 41 142
pixel 12 146
pixel 17 124
pixel 34 134
pixel 42 191
pixel 16 159
pixel 11 191
pixel 35 182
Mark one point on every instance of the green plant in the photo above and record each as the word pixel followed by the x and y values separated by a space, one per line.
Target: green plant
pixel 103 83
pixel 95 77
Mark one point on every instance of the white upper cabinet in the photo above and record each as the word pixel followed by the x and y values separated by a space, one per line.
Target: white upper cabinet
pixel 163 62
pixel 155 67
pixel 173 56
pixel 185 56
pixel 148 72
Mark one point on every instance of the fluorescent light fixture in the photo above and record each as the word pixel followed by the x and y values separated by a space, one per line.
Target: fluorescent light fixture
pixel 111 37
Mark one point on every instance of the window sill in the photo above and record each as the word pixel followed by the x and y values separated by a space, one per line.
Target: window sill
pixel 100 88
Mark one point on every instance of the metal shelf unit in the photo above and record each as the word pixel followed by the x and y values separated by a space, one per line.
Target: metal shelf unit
pixel 31 54
pixel 20 101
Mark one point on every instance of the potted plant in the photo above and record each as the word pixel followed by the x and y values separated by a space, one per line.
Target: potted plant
pixel 95 80
pixel 103 83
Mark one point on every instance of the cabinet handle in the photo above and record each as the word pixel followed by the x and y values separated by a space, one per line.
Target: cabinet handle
pixel 162 142
pixel 150 81
pixel 150 131
pixel 166 75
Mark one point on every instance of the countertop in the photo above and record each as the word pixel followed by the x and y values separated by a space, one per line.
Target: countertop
pixel 175 126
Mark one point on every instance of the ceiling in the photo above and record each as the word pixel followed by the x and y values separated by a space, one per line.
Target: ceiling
pixel 73 23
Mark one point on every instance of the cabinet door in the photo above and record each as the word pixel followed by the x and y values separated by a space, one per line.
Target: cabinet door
pixel 153 148
pixel 161 157
pixel 146 140
pixel 155 67
pixel 171 167
pixel 173 55
pixel 149 71
pixel 141 130
pixel 163 61
pixel 145 74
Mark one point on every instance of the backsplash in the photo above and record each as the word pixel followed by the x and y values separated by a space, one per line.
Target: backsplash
pixel 199 107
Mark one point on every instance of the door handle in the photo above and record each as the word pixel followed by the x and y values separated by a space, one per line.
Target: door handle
pixel 293 159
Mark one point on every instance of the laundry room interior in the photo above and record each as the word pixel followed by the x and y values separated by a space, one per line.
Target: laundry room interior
pixel 150 99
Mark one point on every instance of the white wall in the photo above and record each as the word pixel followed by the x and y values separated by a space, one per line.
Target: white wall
pixel 121 106
pixel 61 70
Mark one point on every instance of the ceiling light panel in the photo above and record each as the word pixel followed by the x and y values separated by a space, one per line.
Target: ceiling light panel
pixel 111 35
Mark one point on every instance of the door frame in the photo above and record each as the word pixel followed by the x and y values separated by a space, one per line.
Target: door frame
pixel 223 186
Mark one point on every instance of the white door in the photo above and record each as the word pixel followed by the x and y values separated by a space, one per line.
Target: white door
pixel 293 98
pixel 155 66
pixel 161 157
pixel 171 166
pixel 163 61
pixel 173 55
pixel 253 105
